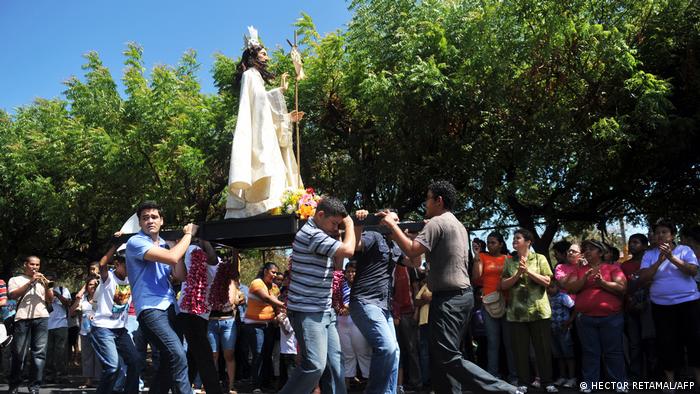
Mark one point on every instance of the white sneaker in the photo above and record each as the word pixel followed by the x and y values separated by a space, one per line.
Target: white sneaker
pixel 559 382
pixel 551 388
pixel 521 390
pixel 570 383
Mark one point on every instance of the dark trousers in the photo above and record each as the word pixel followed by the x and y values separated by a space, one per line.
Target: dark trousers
pixel 29 334
pixel 407 335
pixel 196 330
pixel 677 329
pixel 243 353
pixel 602 337
pixel 159 329
pixel 641 348
pixel 424 354
pixel 57 352
pixel 287 365
pixel 448 317
pixel 540 333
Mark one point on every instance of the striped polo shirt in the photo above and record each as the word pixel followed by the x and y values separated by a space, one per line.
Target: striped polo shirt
pixel 312 269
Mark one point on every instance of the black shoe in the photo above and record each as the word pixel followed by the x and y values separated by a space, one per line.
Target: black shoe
pixel 33 390
pixel 13 390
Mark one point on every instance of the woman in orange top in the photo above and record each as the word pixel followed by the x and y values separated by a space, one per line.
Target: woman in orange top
pixel 488 268
pixel 258 318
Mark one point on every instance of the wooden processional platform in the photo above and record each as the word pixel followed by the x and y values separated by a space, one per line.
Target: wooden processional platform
pixel 261 232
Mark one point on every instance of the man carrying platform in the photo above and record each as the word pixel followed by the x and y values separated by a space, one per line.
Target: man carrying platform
pixel 150 265
pixel 315 254
pixel 370 303
pixel 445 243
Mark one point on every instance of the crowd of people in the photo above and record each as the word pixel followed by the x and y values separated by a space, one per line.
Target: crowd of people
pixel 383 312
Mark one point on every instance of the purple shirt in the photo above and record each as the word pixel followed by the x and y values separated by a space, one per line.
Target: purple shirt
pixel 670 286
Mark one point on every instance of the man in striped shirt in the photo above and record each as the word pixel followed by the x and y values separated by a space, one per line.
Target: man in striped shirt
pixel 316 253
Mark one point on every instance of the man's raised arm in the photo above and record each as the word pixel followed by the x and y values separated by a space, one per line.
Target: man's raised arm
pixel 173 255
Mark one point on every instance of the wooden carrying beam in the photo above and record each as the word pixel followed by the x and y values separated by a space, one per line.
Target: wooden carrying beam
pixel 267 231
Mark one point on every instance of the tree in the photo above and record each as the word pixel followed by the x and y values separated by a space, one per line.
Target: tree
pixel 535 110
pixel 73 170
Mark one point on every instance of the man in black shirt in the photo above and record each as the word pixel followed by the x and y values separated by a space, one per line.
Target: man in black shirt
pixel 370 303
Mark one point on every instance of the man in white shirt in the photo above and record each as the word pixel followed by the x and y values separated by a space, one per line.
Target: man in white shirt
pixel 31 323
pixel 109 336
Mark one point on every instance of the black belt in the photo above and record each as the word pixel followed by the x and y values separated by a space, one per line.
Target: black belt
pixel 451 293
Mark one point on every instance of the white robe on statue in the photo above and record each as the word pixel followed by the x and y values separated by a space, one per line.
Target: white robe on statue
pixel 262 159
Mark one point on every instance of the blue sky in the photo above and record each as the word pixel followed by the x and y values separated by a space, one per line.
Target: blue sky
pixel 42 41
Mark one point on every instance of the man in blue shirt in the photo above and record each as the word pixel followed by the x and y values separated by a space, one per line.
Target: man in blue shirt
pixel 150 264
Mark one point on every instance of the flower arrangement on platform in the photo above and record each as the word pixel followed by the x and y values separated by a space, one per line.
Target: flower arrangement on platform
pixel 300 202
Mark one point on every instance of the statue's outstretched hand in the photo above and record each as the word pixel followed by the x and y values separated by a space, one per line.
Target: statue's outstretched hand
pixel 295 116
pixel 284 82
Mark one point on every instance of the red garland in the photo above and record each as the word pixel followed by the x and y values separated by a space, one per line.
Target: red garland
pixel 195 298
pixel 218 295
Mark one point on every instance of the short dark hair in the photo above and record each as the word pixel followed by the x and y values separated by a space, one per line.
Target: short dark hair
pixel 148 205
pixel 445 190
pixel 331 206
pixel 665 223
pixel 350 264
pixel 527 234
pixel 31 257
pixel 641 238
pixel 561 246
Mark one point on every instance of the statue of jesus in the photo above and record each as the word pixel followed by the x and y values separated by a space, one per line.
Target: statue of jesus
pixel 263 165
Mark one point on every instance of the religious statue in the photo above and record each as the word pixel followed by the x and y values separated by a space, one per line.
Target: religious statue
pixel 263 165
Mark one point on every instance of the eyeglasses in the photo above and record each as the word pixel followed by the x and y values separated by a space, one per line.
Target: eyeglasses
pixel 573 251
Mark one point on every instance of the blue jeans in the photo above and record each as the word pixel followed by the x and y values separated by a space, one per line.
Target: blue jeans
pixel 262 351
pixel 29 334
pixel 377 326
pixel 132 326
pixel 114 347
pixel 601 335
pixel 159 329
pixel 497 331
pixel 222 334
pixel 321 358
pixel 448 317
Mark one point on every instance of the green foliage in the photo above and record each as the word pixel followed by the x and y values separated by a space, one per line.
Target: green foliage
pixel 73 170
pixel 536 110
pixel 571 113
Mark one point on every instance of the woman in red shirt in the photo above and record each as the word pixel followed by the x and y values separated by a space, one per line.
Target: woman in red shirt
pixel 600 322
pixel 488 268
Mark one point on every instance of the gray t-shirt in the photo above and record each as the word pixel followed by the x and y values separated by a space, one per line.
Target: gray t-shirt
pixel 447 243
